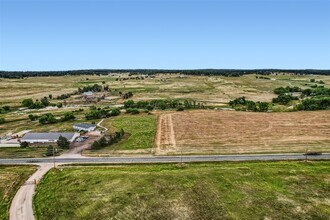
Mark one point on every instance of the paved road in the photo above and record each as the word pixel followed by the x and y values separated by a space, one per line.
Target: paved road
pixel 166 159
pixel 21 207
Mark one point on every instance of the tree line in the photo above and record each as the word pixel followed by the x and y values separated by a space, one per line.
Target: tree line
pixel 222 72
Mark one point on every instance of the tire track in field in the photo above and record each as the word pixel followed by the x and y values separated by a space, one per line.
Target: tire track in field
pixel 165 140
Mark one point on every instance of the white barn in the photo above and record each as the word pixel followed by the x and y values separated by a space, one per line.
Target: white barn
pixel 51 137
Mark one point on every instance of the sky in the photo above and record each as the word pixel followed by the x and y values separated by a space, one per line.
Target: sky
pixel 40 35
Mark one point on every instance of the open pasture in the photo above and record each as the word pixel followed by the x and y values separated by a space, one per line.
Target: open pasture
pixel 212 90
pixel 11 178
pixel 231 132
pixel 246 190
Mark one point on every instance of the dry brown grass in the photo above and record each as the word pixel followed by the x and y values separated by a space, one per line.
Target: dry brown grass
pixel 243 132
pixel 213 90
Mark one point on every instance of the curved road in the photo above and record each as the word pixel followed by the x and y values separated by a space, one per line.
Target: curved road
pixel 22 209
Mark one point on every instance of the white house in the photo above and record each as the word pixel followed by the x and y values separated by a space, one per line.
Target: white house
pixel 84 127
pixel 51 137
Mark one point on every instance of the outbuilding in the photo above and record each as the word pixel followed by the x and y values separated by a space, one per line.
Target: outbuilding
pixel 84 127
pixel 50 137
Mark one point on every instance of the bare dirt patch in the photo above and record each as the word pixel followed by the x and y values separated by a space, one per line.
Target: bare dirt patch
pixel 242 132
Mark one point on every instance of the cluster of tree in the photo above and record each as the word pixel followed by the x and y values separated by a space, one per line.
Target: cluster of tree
pixel 101 113
pixel 243 104
pixel 163 104
pixel 127 95
pixel 314 103
pixel 262 77
pixel 130 78
pixel 320 81
pixel 284 99
pixel 288 89
pixel 222 72
pixel 92 88
pixel 108 140
pixel 318 91
pixel 44 102
pixel 64 96
pixel 47 118
pixel 68 116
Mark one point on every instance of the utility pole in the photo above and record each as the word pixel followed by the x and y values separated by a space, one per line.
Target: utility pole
pixel 54 155
pixel 181 157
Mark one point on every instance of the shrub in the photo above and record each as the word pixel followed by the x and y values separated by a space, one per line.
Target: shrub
pixel 68 116
pixel 24 144
pixel 47 119
pixel 6 107
pixel 27 102
pixel 63 142
pixel 115 112
pixel 2 121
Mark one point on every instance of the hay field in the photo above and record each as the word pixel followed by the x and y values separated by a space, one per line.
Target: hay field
pixel 213 90
pixel 231 132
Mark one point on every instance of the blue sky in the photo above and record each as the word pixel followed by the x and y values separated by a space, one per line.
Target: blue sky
pixel 182 34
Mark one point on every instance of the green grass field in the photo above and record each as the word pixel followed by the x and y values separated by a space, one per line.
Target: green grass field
pixel 11 178
pixel 140 131
pixel 17 152
pixel 247 190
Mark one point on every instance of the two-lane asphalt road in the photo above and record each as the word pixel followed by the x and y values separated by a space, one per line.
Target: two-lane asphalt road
pixel 166 159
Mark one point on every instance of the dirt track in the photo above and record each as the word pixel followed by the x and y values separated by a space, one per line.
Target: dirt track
pixel 242 132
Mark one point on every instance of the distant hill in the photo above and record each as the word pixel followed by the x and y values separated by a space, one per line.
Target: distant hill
pixel 221 72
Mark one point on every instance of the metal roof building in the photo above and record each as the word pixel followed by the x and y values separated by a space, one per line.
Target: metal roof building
pixel 51 137
pixel 84 127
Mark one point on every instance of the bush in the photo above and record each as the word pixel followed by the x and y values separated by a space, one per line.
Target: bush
pixel 6 108
pixel 312 104
pixel 283 99
pixel 27 102
pixel 63 142
pixel 68 116
pixel 263 106
pixel 2 121
pixel 33 117
pixel 47 119
pixel 132 111
pixel 59 105
pixel 180 108
pixel 24 144
pixel 115 112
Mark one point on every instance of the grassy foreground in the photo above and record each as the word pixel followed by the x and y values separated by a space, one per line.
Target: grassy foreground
pixel 11 178
pixel 249 190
